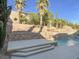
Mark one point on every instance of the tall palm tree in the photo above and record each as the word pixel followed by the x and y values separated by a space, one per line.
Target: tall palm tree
pixel 19 6
pixel 61 23
pixel 57 23
pixel 42 9
pixel 57 20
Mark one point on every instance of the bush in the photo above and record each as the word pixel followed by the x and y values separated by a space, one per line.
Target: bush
pixel 1 34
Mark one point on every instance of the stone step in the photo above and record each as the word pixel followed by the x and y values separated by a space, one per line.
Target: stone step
pixel 26 36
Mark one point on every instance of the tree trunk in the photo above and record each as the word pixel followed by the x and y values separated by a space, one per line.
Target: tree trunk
pixel 18 16
pixel 60 25
pixel 57 25
pixel 41 20
pixel 18 11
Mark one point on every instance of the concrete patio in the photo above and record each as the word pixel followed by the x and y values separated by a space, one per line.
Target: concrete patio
pixel 40 49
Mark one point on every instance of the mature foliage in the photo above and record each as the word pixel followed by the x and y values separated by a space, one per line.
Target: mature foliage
pixel 42 6
pixel 44 17
pixel 34 19
pixel 3 20
pixel 19 6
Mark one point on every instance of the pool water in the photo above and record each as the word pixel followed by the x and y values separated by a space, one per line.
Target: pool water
pixel 68 42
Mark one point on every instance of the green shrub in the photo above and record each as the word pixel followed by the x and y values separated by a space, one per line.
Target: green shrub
pixel 1 34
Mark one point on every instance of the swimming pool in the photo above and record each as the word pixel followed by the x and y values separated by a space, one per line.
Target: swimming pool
pixel 68 41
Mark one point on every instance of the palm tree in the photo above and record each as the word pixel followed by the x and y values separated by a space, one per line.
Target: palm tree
pixel 53 22
pixel 19 6
pixel 42 9
pixel 62 23
pixel 56 21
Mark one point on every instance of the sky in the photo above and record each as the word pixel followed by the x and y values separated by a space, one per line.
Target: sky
pixel 66 9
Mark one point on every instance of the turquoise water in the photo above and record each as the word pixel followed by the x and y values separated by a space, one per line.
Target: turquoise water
pixel 67 42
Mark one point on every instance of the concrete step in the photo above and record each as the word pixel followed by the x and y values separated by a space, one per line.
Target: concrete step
pixel 27 53
pixel 26 43
pixel 27 48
